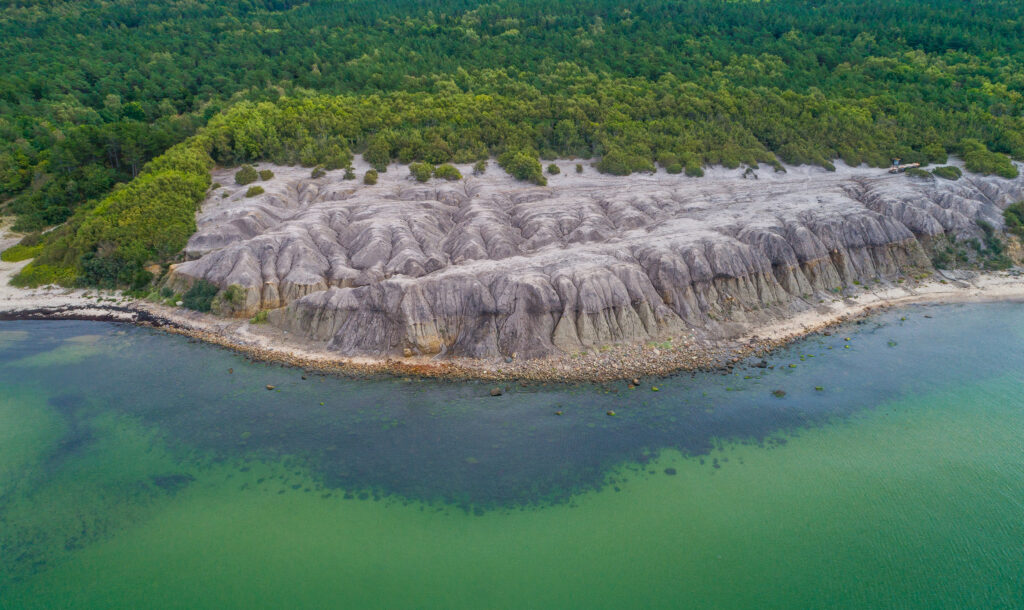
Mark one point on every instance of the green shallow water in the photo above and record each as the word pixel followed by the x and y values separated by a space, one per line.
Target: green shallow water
pixel 135 471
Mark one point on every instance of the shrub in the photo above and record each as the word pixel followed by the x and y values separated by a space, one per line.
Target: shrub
pixel 448 172
pixel 579 168
pixel 949 172
pixel 266 174
pixel 42 275
pixel 378 153
pixel 318 172
pixel 229 301
pixel 421 171
pixel 667 158
pixel 20 252
pixel 935 153
pixel 980 160
pixel 1014 216
pixel 553 169
pixel 215 186
pixel 254 190
pixel 674 168
pixel 200 296
pixel 336 157
pixel 259 318
pixel 917 172
pixel 695 171
pixel 246 175
pixel 522 165
pixel 350 174
pixel 621 163
pixel 32 239
pixel 370 177
pixel 480 167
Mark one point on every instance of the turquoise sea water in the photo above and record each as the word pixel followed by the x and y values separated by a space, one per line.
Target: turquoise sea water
pixel 136 471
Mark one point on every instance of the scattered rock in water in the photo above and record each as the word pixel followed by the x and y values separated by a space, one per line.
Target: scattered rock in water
pixel 778 393
pixel 230 371
pixel 654 388
pixel 636 381
pixel 818 388
pixel 762 364
pixel 611 413
pixel 496 392
pixel 270 387
pixel 303 377
pixel 558 412
pixel 670 471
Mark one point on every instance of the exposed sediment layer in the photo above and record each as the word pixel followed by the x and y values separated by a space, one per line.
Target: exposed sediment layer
pixel 487 267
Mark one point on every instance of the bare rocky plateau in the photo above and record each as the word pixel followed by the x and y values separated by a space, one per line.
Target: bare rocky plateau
pixel 490 268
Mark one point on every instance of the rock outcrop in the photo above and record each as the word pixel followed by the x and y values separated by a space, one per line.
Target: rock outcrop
pixel 488 267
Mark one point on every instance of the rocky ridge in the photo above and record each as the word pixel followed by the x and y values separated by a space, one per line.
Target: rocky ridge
pixel 487 267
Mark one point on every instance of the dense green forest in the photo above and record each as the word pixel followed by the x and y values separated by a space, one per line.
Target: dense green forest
pixel 93 91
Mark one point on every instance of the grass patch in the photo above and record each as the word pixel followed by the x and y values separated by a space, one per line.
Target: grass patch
pixel 19 252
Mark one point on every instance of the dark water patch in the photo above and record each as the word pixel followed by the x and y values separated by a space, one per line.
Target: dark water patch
pixel 453 443
pixel 172 483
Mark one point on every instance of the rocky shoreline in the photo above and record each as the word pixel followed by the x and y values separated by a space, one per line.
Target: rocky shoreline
pixel 625 362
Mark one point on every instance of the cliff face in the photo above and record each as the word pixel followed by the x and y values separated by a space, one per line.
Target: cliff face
pixel 487 267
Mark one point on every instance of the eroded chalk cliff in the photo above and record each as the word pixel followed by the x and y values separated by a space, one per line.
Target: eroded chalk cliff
pixel 487 267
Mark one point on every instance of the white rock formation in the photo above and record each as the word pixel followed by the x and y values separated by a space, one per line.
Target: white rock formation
pixel 488 266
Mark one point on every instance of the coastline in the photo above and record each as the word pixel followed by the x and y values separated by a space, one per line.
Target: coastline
pixel 697 351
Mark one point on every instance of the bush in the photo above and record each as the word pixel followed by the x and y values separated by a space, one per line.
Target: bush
pixel 200 296
pixel 254 190
pixel 579 168
pixel 336 157
pixel 246 175
pixel 42 275
pixel 674 168
pixel 621 163
pixel 480 167
pixel 917 172
pixel 259 318
pixel 266 174
pixel 370 177
pixel 553 169
pixel 949 172
pixel 350 174
pixel 522 165
pixel 318 172
pixel 695 171
pixel 421 171
pixel 215 186
pixel 1014 216
pixel 980 160
pixel 20 252
pixel 448 172
pixel 935 153
pixel 378 154
pixel 229 301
